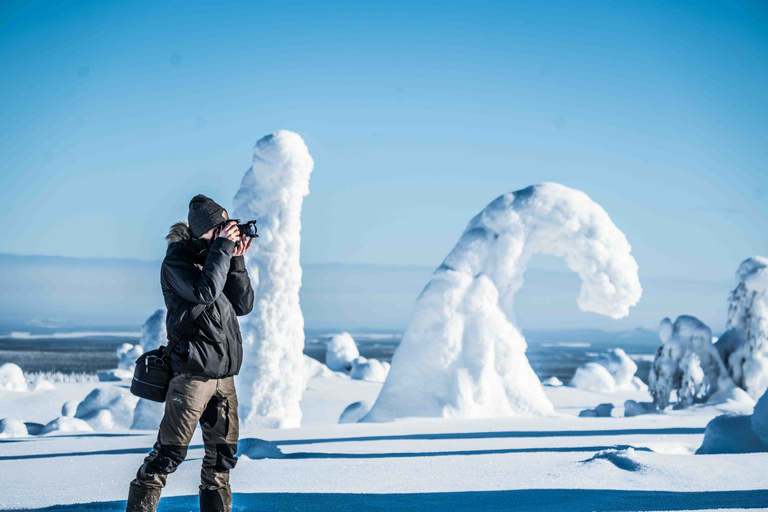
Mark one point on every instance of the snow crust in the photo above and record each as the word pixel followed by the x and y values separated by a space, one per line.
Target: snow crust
pixel 12 378
pixel 462 355
pixel 687 363
pixel 272 376
pixel 340 352
pixel 746 346
pixel 593 377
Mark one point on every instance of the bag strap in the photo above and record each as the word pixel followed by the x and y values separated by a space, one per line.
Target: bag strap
pixel 183 326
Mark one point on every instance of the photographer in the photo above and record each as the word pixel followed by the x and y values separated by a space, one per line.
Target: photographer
pixel 203 264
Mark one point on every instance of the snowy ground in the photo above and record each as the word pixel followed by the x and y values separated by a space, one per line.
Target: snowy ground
pixel 526 464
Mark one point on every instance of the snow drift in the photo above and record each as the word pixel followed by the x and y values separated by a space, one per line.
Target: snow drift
pixel 687 362
pixel 744 346
pixel 462 355
pixel 272 376
pixel 738 433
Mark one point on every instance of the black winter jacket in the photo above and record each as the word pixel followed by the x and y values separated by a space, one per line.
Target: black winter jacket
pixel 196 271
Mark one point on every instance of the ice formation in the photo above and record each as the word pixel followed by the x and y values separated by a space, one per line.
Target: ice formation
pixel 462 355
pixel 593 377
pixel 747 355
pixel 107 408
pixel 687 362
pixel 12 378
pixel 340 351
pixel 272 377
pixel 153 333
pixel 371 370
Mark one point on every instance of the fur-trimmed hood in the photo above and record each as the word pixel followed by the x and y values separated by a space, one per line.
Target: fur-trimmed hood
pixel 179 232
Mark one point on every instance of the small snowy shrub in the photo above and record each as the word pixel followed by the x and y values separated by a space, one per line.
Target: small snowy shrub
pixel 340 352
pixel 12 378
pixel 593 377
pixel 621 367
pixel 127 355
pixel 371 370
pixel 687 363
pixel 744 346
pixel 12 427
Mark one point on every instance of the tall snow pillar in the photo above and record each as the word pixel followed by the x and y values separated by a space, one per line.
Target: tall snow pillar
pixel 271 379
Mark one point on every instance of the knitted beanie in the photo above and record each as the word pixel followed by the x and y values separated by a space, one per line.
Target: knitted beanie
pixel 204 214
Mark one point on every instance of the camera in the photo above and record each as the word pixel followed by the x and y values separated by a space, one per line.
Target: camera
pixel 247 228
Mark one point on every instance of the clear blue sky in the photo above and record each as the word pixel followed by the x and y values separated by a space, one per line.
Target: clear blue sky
pixel 417 114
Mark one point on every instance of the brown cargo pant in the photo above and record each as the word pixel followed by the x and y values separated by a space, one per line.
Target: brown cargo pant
pixel 192 399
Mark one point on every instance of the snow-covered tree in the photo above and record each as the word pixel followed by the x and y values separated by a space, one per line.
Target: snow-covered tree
pixel 744 346
pixel 272 377
pixel 462 355
pixel 686 363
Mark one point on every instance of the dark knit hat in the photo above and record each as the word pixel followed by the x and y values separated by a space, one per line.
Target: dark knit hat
pixel 204 214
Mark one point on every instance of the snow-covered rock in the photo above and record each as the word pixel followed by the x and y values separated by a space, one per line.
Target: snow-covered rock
pixel 601 411
pixel 687 362
pixel 12 378
pixel 593 377
pixel 552 382
pixel 115 375
pixel 153 333
pixel 254 448
pixel 272 377
pixel 69 409
pixel 108 408
pixel 621 367
pixel 12 427
pixel 340 352
pixel 147 415
pixel 354 412
pixel 127 355
pixel 731 433
pixel 371 370
pixel 746 345
pixel 65 424
pixel 634 408
pixel 461 355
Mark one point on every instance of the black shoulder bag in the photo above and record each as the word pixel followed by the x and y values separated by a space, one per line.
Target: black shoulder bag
pixel 153 371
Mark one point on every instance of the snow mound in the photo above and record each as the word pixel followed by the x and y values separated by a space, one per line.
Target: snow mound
pixel 552 382
pixel 153 333
pixel 621 367
pixel 371 370
pixel 340 352
pixel 108 408
pixel 355 412
pixel 272 378
pixel 127 355
pixel 314 368
pixel 601 411
pixel 116 374
pixel 637 384
pixel 687 362
pixel 65 424
pixel 593 377
pixel 731 395
pixel 69 409
pixel 12 427
pixel 461 355
pixel 147 415
pixel 746 346
pixel 633 408
pixel 43 385
pixel 760 418
pixel 622 459
pixel 12 378
pixel 254 448
pixel 731 433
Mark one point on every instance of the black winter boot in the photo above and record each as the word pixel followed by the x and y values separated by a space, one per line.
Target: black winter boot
pixel 142 499
pixel 219 500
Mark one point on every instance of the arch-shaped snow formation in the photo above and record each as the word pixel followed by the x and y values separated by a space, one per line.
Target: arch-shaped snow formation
pixel 461 355
pixel 272 377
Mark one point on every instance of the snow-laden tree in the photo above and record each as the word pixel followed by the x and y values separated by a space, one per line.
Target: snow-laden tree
pixel 272 376
pixel 744 346
pixel 687 362
pixel 462 355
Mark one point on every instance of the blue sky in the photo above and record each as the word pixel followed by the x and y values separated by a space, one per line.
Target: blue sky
pixel 417 114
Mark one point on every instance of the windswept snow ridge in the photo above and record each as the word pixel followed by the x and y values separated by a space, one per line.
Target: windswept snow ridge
pixel 462 356
pixel 272 377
